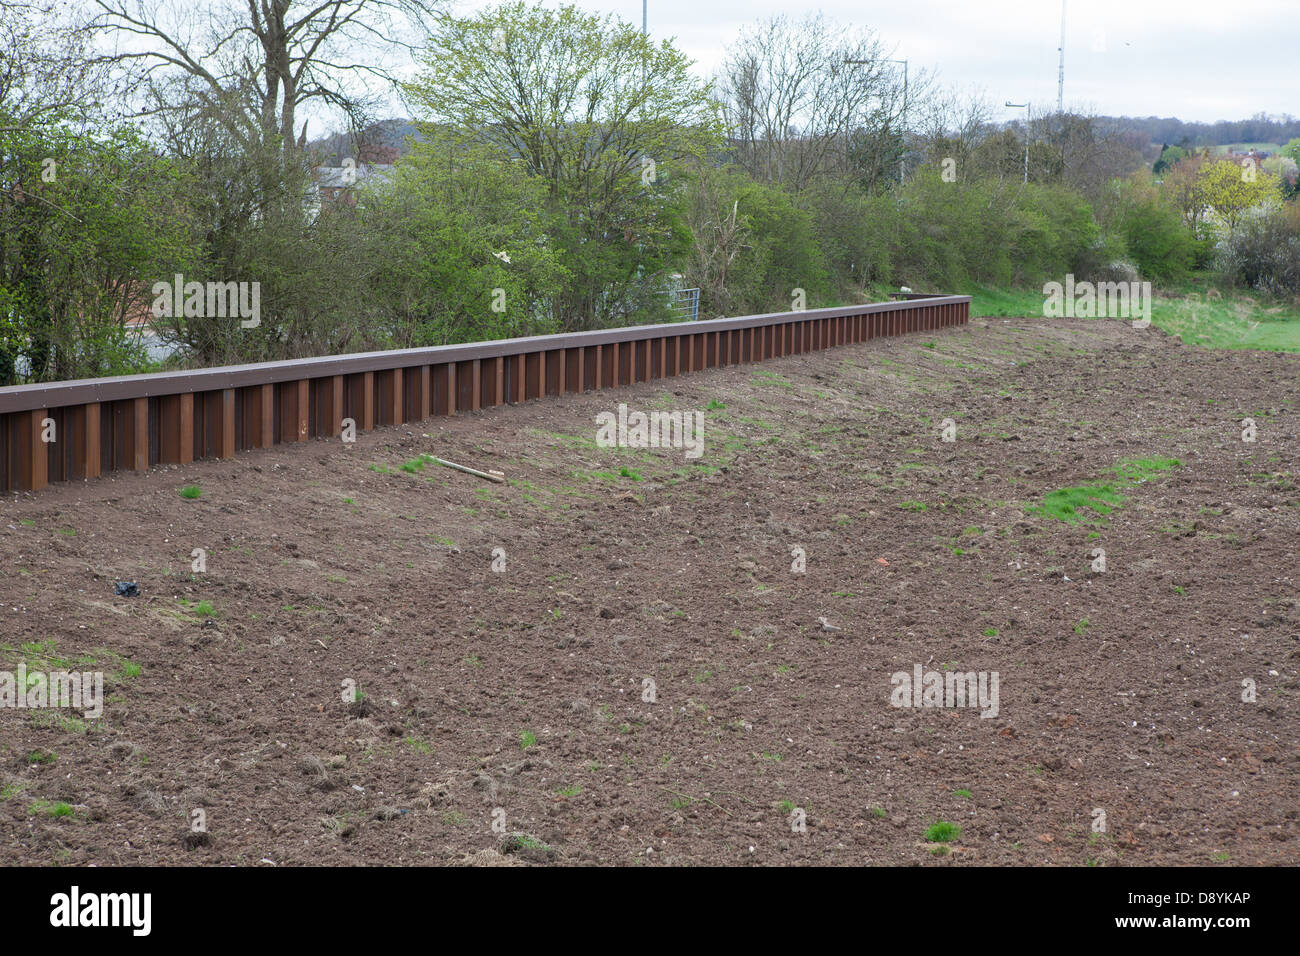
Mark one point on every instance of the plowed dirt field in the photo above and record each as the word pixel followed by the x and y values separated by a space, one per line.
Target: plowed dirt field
pixel 644 673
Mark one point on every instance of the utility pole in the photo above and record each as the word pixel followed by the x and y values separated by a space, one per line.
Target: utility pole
pixel 1060 73
pixel 1025 107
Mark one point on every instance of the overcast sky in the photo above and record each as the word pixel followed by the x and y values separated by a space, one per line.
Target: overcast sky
pixel 1194 59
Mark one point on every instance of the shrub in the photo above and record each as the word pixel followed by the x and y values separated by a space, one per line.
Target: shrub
pixel 1262 252
pixel 853 231
pixel 775 251
pixel 1069 236
pixel 990 232
pixel 1157 240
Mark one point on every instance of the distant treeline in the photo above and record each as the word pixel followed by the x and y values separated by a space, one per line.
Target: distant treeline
pixel 1260 128
pixel 1158 130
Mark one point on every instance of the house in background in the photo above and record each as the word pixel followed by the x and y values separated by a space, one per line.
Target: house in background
pixel 337 185
pixel 1253 158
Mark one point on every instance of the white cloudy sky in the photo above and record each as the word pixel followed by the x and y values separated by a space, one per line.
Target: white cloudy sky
pixel 1194 59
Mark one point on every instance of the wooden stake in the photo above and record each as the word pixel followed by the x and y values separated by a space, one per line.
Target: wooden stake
pixel 498 478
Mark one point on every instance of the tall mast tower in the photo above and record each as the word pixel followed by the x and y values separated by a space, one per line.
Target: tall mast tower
pixel 1060 73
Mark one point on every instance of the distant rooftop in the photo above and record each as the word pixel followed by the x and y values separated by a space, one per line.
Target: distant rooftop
pixel 340 177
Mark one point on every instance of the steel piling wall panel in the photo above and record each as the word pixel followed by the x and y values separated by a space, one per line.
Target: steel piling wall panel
pixel 132 422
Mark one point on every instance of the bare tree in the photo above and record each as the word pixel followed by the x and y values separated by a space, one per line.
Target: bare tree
pixel 951 123
pixel 253 65
pixel 43 65
pixel 797 96
pixel 1084 150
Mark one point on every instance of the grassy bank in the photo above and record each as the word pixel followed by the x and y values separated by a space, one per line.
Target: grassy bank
pixel 1197 312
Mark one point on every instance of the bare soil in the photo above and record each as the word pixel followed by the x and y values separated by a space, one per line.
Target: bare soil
pixel 517 697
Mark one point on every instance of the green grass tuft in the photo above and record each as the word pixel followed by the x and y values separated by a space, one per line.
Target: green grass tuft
pixel 1065 504
pixel 1144 469
pixel 417 464
pixel 942 832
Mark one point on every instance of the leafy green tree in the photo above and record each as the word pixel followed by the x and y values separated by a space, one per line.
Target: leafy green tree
pixel 1168 156
pixel 1289 170
pixel 1184 189
pixel 1159 243
pixel 1054 231
pixel 1230 189
pixel 88 220
pixel 460 247
pixel 89 211
pixel 783 254
pixel 606 118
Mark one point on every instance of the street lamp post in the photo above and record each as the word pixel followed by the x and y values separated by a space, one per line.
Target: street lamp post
pixel 1025 107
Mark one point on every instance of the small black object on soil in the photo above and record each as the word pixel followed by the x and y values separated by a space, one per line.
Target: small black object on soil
pixel 127 589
